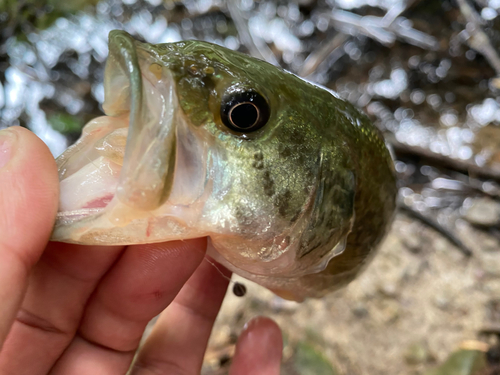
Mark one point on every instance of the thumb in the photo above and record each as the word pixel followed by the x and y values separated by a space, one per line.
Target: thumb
pixel 29 191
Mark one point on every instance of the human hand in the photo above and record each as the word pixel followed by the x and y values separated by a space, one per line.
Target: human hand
pixel 71 309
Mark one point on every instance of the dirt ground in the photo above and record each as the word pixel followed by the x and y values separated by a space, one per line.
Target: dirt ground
pixel 417 302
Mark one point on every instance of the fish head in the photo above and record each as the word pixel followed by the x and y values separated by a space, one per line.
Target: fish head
pixel 199 140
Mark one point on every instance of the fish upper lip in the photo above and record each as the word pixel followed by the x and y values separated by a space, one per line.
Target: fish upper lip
pixel 122 58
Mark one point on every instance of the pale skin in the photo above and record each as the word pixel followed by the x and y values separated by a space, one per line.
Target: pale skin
pixel 77 310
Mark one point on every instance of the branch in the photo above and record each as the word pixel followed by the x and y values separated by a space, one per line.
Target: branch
pixel 464 166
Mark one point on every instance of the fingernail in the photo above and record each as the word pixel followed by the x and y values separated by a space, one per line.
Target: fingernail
pixel 7 140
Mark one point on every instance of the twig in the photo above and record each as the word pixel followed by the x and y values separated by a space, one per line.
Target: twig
pixel 369 26
pixel 463 166
pixel 467 184
pixel 412 36
pixel 385 29
pixel 478 40
pixel 320 54
pixel 437 227
pixel 256 46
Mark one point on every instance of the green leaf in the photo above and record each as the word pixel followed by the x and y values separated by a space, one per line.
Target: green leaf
pixel 65 123
pixel 310 361
pixel 462 362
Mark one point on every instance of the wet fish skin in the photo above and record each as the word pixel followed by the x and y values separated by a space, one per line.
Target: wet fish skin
pixel 298 205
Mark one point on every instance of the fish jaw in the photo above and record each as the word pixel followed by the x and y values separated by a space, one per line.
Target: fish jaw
pixel 133 173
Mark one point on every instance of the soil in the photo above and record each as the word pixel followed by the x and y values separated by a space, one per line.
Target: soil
pixel 417 302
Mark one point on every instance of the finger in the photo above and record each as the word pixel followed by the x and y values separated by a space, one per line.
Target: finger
pixel 258 350
pixel 29 189
pixel 58 289
pixel 179 338
pixel 141 284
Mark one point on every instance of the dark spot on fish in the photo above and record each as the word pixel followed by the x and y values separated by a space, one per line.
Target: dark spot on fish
pixel 208 82
pixel 282 201
pixel 295 134
pixel 331 222
pixel 238 213
pixel 258 164
pixel 285 152
pixel 242 215
pixel 258 155
pixel 296 216
pixel 268 184
pixel 309 250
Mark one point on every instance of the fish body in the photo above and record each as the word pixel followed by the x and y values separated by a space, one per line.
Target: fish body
pixel 294 186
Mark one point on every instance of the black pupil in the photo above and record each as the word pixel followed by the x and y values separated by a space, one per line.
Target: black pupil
pixel 244 112
pixel 244 115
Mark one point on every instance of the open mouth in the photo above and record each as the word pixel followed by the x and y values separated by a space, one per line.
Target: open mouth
pixel 130 154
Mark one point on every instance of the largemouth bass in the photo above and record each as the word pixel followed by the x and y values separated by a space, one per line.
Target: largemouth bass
pixel 293 185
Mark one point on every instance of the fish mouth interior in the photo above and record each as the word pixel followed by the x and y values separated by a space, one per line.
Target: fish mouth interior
pixel 129 154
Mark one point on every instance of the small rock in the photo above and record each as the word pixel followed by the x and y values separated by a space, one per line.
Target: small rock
pixel 443 300
pixel 391 312
pixel 389 290
pixel 413 270
pixel 413 242
pixel 359 310
pixel 484 212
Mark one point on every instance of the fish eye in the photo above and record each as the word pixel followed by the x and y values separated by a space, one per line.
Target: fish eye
pixel 244 112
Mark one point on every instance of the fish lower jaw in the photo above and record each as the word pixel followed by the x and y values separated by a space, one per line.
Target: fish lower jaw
pixel 119 224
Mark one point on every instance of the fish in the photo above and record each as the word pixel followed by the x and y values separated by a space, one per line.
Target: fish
pixel 293 186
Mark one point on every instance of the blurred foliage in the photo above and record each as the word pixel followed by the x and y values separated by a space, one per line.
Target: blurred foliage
pixel 65 123
pixel 462 362
pixel 311 361
pixel 21 17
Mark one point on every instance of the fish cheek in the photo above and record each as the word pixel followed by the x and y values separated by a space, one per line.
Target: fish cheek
pixel 257 210
pixel 332 215
pixel 286 196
